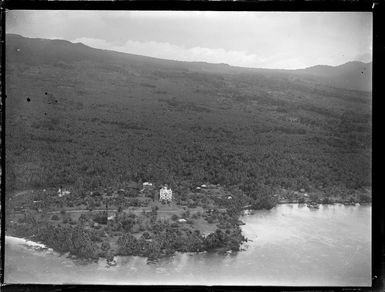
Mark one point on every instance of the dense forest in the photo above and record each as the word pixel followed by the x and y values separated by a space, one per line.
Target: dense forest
pixel 89 119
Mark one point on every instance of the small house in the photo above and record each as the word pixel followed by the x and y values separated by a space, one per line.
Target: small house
pixel 147 186
pixel 62 193
pixel 182 220
pixel 95 194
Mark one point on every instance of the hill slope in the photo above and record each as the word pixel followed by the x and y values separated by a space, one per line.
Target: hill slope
pixel 87 118
pixel 351 75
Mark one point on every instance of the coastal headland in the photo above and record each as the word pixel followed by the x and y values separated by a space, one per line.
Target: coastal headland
pixel 132 221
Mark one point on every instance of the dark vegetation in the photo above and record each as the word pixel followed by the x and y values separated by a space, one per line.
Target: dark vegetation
pixel 98 119
pixel 86 228
pixel 109 125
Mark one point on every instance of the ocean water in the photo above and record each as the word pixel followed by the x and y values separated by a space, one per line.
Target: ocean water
pixel 290 245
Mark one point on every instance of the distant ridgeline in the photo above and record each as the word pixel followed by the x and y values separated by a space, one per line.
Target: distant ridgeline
pixel 89 119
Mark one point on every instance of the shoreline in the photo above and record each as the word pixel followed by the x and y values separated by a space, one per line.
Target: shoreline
pixel 22 241
pixel 332 203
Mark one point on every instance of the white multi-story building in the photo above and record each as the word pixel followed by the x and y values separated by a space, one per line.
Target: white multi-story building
pixel 165 194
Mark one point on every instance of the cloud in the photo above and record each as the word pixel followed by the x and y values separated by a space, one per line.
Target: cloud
pixel 367 57
pixel 278 59
pixel 169 51
pixel 250 39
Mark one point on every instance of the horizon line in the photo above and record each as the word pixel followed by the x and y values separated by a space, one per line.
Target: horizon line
pixel 175 60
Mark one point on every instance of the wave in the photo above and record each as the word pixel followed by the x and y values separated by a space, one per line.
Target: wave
pixel 23 241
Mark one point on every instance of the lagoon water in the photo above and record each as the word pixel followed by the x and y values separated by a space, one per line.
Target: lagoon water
pixel 290 245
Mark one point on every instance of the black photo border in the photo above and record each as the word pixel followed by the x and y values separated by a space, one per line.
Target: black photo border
pixel 377 9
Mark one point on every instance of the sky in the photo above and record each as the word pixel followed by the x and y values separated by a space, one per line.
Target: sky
pixel 281 40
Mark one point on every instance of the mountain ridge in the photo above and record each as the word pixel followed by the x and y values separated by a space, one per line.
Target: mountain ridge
pixel 353 75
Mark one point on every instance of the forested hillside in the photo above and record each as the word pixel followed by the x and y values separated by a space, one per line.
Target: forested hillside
pixel 87 118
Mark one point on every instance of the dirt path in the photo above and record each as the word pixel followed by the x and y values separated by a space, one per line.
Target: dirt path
pixel 112 210
pixel 22 193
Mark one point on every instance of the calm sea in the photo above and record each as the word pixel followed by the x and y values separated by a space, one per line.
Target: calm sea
pixel 289 245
